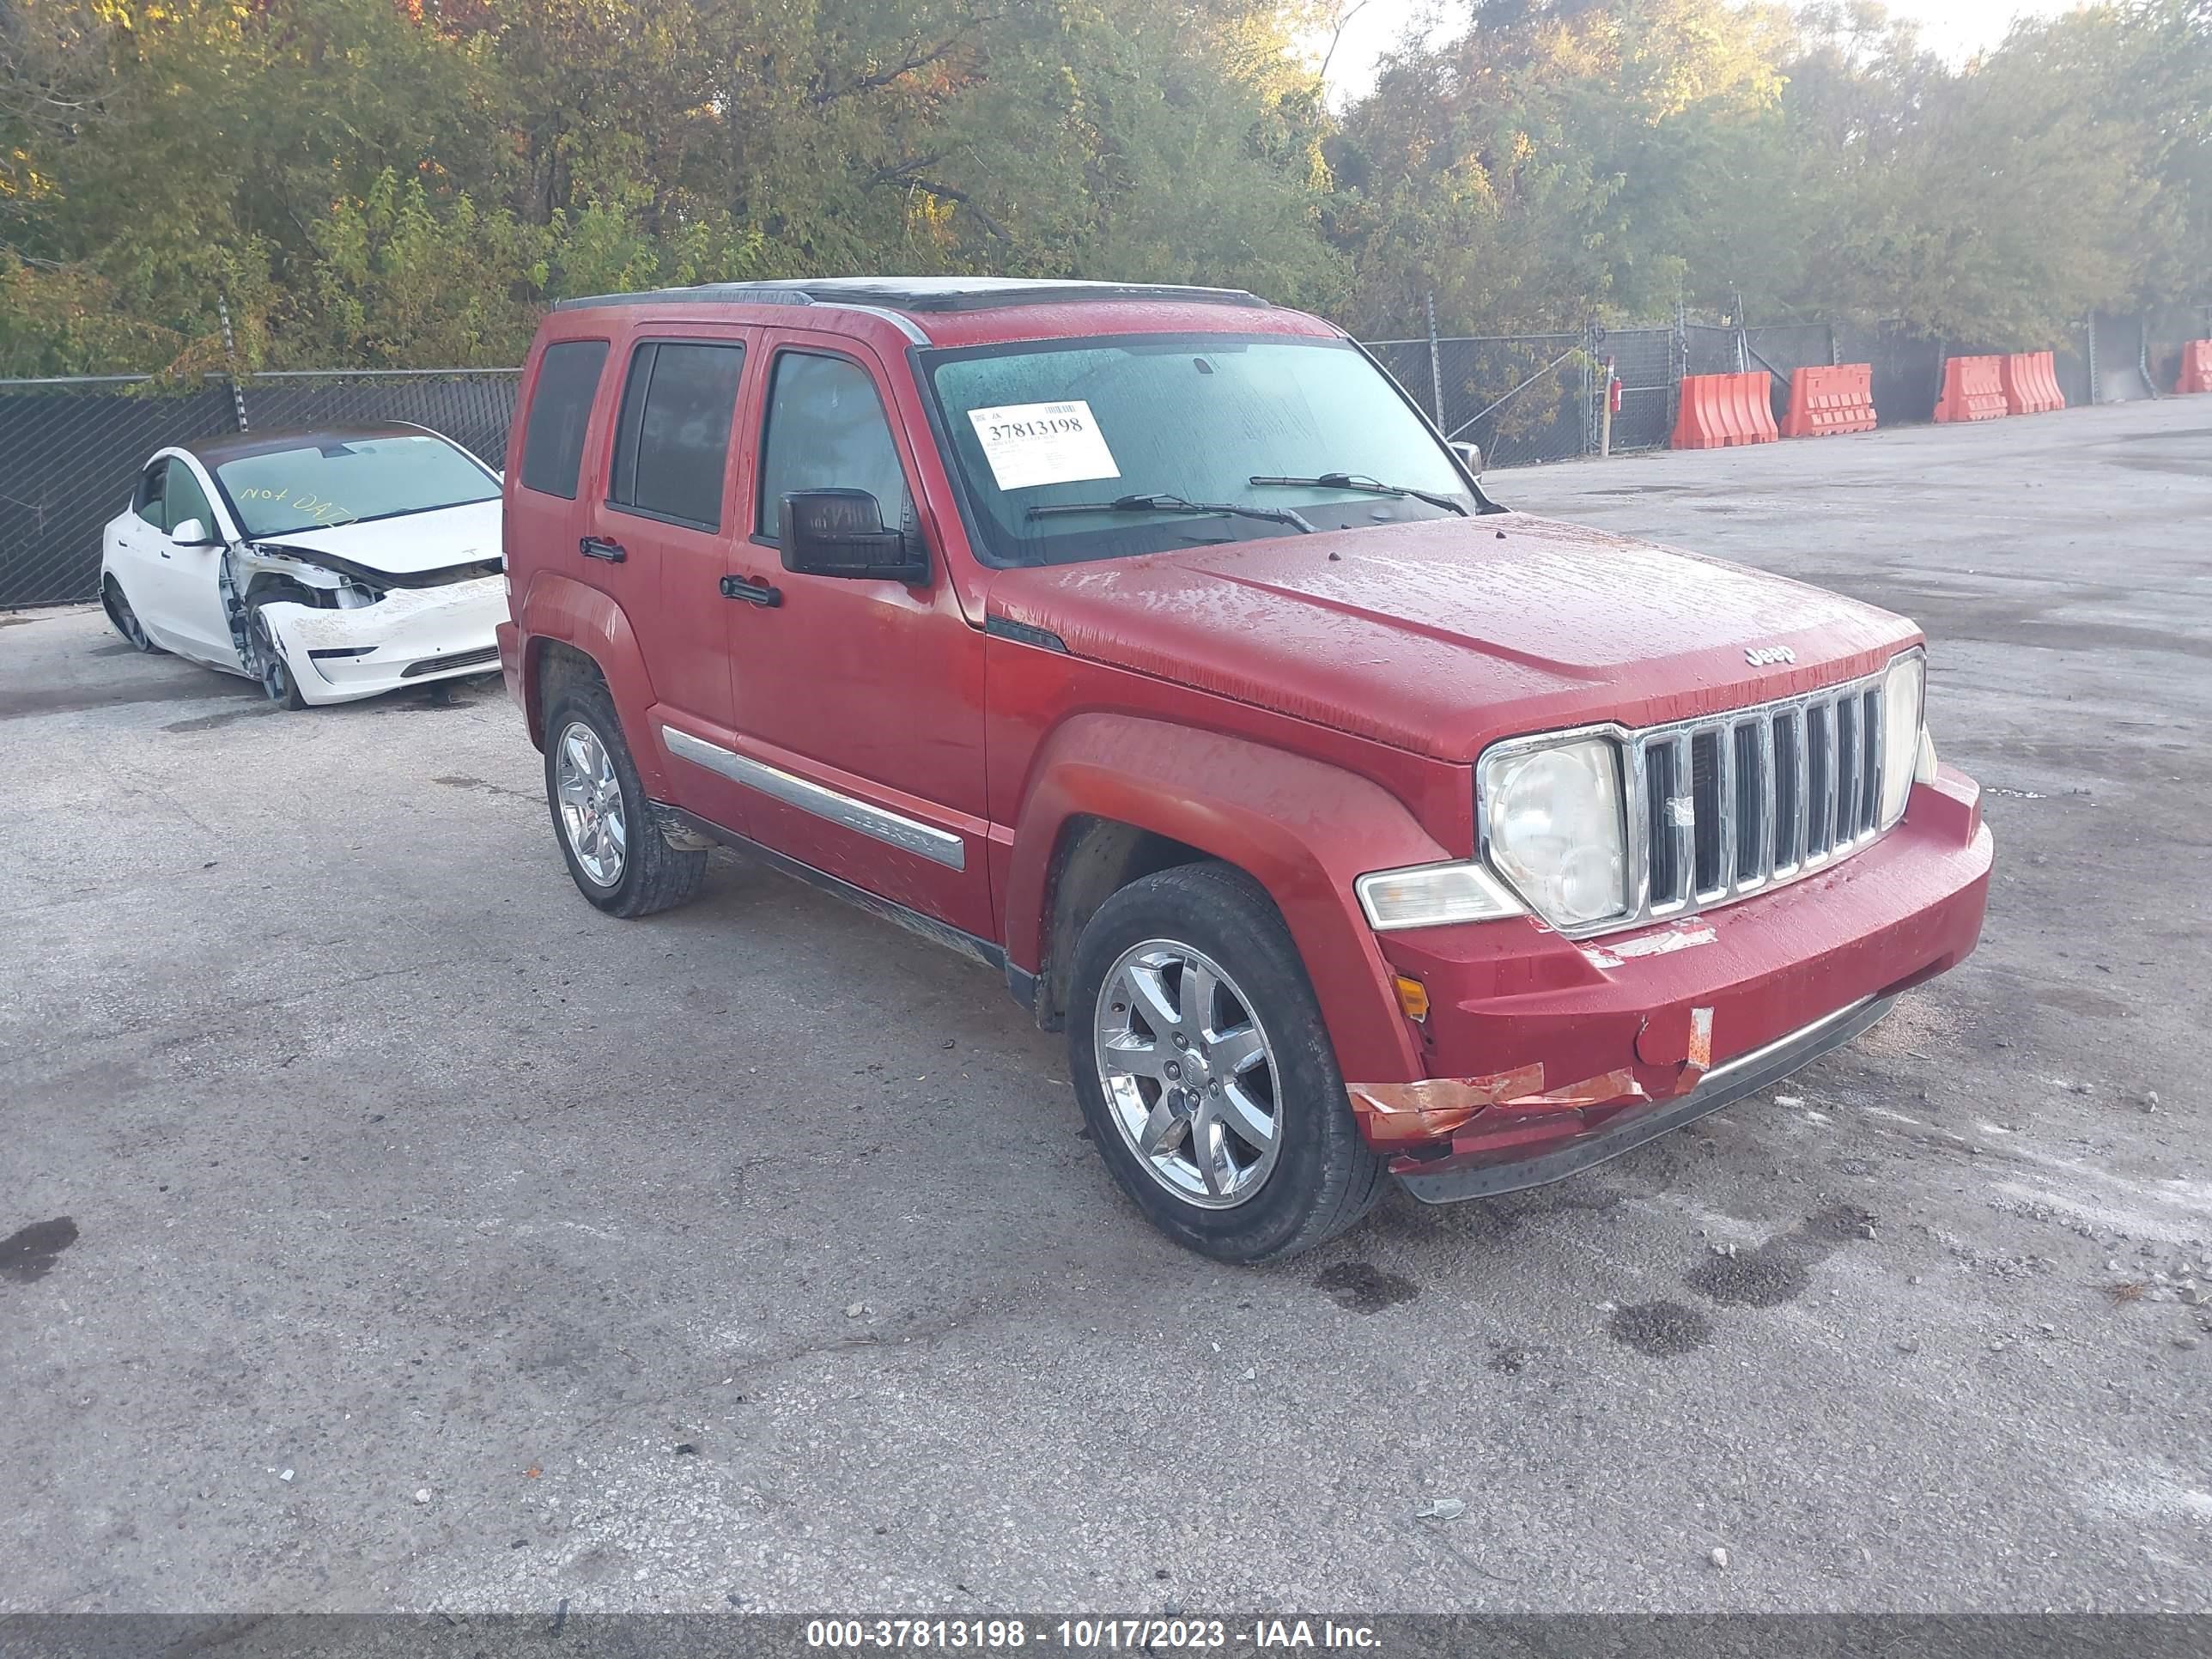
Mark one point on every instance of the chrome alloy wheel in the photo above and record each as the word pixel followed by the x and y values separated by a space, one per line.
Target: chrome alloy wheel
pixel 1188 1075
pixel 591 804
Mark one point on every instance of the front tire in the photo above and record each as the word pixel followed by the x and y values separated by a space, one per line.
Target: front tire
pixel 617 855
pixel 1206 1072
pixel 278 683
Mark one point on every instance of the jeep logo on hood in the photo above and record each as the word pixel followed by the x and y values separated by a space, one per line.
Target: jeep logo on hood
pixel 1765 656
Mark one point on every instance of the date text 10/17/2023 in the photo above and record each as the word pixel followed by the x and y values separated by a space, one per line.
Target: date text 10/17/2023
pixel 1098 1635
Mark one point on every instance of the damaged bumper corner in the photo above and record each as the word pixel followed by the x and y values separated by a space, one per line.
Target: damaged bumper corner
pixel 1399 1117
pixel 1528 1140
pixel 1547 1056
pixel 412 637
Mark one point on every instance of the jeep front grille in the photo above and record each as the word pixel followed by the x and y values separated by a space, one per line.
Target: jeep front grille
pixel 1732 804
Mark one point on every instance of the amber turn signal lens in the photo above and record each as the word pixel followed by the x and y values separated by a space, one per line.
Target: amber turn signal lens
pixel 1412 997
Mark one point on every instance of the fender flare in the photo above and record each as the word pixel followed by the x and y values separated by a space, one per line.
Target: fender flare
pixel 1302 828
pixel 560 608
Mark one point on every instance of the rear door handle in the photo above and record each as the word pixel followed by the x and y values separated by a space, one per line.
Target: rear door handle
pixel 766 595
pixel 595 547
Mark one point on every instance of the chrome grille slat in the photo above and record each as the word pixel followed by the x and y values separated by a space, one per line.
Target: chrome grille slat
pixel 1680 832
pixel 1845 768
pixel 1804 787
pixel 1821 717
pixel 1768 854
pixel 1870 723
pixel 1787 787
pixel 1724 787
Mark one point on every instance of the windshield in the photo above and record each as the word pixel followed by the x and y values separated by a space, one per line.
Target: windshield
pixel 1072 423
pixel 343 481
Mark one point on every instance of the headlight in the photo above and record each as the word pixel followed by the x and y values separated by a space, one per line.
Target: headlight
pixel 1556 829
pixel 1433 895
pixel 1904 691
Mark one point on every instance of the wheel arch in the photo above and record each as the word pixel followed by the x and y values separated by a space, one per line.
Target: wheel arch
pixel 570 627
pixel 1096 816
pixel 112 583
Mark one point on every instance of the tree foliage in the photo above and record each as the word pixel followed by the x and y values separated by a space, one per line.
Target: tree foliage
pixel 409 182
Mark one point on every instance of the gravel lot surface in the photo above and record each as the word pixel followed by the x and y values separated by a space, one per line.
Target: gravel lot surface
pixel 397 1231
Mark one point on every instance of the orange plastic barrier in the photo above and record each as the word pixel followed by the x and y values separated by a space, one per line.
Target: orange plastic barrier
pixel 1974 389
pixel 1823 401
pixel 1721 411
pixel 2031 384
pixel 2195 367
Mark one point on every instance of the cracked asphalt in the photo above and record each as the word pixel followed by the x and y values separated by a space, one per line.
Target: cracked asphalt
pixel 386 1228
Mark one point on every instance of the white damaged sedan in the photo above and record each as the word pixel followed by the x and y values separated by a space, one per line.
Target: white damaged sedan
pixel 327 565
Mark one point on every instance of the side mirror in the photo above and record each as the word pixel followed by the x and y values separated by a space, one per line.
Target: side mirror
pixel 192 532
pixel 1471 454
pixel 840 532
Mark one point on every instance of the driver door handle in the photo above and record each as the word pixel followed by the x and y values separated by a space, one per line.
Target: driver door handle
pixel 596 547
pixel 766 595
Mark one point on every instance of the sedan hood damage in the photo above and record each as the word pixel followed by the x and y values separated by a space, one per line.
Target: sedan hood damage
pixel 415 545
pixel 1440 635
pixel 350 568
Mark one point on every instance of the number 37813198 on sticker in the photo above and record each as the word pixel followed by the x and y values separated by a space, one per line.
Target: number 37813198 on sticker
pixel 1031 444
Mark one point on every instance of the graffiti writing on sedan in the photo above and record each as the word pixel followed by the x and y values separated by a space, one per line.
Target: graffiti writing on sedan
pixel 317 508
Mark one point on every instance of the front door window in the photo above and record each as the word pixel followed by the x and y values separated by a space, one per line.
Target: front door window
pixel 827 430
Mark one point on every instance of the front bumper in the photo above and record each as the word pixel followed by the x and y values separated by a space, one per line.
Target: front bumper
pixel 1448 1180
pixel 1545 1055
pixel 412 637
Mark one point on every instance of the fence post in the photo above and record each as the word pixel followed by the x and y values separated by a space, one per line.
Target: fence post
pixel 2089 334
pixel 1678 364
pixel 1605 412
pixel 1436 365
pixel 1835 347
pixel 1587 425
pixel 230 358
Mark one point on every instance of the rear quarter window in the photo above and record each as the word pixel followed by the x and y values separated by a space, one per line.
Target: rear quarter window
pixel 673 443
pixel 560 410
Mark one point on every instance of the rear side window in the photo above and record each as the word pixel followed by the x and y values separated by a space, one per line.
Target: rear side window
pixel 672 444
pixel 826 430
pixel 150 505
pixel 560 408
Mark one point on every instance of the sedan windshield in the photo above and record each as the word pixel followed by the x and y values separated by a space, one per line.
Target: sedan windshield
pixel 343 481
pixel 1096 449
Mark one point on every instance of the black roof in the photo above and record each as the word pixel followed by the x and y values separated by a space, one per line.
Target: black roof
pixel 236 446
pixel 918 294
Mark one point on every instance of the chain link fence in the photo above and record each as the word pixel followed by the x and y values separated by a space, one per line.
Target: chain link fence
pixel 69 449
pixel 70 452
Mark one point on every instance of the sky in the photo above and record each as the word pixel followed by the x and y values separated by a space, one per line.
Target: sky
pixel 1955 28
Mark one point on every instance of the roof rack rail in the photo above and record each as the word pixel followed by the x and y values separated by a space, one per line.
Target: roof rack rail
pixel 746 294
pixel 920 294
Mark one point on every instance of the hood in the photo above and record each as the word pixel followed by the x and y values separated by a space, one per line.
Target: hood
pixel 1442 635
pixel 408 544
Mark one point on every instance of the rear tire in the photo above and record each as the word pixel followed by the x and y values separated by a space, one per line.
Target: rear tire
pixel 1218 1107
pixel 122 619
pixel 617 855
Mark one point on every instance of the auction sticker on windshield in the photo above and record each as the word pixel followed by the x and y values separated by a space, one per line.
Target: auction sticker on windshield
pixel 1032 444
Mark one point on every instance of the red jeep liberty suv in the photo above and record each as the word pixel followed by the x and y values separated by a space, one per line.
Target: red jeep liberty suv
pixel 1149 646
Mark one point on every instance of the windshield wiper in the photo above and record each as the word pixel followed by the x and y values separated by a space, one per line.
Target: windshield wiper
pixel 1177 504
pixel 1360 481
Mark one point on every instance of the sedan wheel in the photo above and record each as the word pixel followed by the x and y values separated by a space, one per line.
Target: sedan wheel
pixel 113 600
pixel 591 804
pixel 1190 1077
